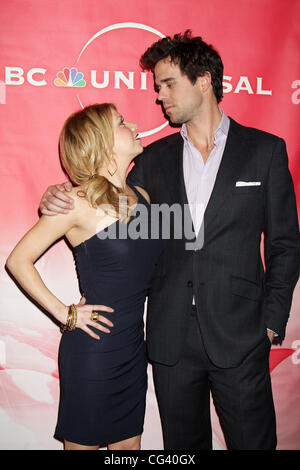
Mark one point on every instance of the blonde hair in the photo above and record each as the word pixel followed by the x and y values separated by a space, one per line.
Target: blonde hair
pixel 86 144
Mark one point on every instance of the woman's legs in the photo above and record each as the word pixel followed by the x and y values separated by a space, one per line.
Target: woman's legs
pixel 133 443
pixel 73 446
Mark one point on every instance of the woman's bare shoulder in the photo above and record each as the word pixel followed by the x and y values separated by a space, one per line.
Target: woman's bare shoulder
pixel 76 193
pixel 80 201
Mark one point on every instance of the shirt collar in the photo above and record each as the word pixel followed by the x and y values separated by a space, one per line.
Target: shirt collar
pixel 220 132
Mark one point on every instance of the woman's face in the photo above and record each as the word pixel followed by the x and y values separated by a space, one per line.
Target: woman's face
pixel 126 144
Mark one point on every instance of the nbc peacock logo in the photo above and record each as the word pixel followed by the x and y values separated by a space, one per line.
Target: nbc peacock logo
pixel 69 78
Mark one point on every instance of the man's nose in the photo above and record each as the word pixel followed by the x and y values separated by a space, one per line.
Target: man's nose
pixel 162 95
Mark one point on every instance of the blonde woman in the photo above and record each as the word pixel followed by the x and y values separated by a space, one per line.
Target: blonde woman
pixel 102 359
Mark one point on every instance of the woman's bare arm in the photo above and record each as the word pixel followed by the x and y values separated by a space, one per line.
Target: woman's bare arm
pixel 21 264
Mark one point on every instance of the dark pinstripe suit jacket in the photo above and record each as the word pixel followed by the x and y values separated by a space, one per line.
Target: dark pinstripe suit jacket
pixel 236 297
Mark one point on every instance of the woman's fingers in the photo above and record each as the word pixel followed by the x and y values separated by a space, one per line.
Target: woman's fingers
pixel 100 327
pixel 102 308
pixel 105 320
pixel 93 308
pixel 90 332
pixel 95 325
pixel 84 318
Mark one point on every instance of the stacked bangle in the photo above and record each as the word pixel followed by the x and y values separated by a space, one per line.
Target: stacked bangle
pixel 71 319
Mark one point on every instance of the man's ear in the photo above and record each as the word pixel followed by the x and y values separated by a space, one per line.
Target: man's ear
pixel 205 81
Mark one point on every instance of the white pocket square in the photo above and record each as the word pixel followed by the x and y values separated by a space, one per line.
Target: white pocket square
pixel 248 183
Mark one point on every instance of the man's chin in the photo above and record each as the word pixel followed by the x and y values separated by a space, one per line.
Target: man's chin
pixel 176 120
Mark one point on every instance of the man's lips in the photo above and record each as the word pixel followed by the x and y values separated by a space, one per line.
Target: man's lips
pixel 168 107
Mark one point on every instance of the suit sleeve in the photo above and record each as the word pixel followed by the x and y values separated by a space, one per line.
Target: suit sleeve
pixel 282 256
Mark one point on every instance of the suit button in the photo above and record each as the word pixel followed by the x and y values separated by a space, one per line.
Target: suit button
pixel 189 283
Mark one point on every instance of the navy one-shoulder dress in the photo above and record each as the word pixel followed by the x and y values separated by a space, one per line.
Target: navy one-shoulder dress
pixel 103 383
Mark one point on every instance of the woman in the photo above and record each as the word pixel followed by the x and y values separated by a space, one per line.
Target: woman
pixel 103 377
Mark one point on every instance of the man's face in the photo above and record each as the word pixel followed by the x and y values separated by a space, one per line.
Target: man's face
pixel 180 98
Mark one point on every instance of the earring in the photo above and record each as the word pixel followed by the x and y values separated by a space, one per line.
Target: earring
pixel 112 167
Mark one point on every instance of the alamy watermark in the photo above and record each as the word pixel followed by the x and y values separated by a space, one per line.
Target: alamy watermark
pixel 157 221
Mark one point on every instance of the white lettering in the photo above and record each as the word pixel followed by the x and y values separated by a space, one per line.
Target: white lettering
pixel 116 460
pixel 14 76
pixel 105 82
pixel 33 81
pixel 143 81
pixel 296 354
pixel 2 92
pixel 128 81
pixel 244 84
pixel 296 95
pixel 259 89
pixel 227 87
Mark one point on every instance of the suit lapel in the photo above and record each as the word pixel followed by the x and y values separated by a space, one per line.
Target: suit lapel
pixel 230 165
pixel 173 171
pixel 174 177
pixel 229 168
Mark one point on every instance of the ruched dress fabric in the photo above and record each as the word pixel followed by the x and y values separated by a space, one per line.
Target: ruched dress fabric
pixel 103 383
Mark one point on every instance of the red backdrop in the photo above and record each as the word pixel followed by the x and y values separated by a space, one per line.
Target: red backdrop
pixel 57 56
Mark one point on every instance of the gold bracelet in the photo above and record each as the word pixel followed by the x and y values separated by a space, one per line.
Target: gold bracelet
pixel 74 317
pixel 71 319
pixel 65 326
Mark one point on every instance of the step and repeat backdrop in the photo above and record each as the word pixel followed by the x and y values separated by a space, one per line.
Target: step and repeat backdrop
pixel 58 56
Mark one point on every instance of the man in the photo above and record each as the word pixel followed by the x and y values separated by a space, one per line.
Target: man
pixel 213 311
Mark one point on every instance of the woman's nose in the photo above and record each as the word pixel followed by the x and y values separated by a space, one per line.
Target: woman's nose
pixel 133 126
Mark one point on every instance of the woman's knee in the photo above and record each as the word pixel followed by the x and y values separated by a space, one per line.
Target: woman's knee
pixel 73 446
pixel 134 443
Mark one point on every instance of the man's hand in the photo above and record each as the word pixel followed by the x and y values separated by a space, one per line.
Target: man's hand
pixel 55 201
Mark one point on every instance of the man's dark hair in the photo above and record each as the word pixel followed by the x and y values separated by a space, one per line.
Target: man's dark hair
pixel 192 54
